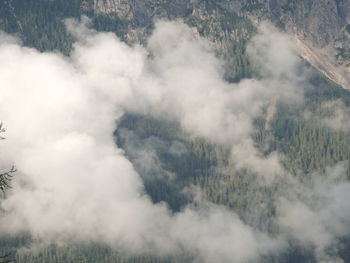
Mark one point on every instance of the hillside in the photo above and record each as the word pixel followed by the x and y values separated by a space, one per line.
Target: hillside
pixel 199 131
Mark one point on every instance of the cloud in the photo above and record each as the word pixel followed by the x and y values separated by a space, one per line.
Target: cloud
pixel 336 115
pixel 262 49
pixel 194 93
pixel 73 181
pixel 145 154
pixel 316 213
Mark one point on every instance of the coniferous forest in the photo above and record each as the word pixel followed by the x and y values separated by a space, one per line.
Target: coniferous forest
pixel 181 167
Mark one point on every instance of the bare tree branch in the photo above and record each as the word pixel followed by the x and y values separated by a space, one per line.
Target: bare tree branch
pixel 2 130
pixel 5 179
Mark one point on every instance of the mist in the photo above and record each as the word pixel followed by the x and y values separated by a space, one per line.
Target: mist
pixel 75 184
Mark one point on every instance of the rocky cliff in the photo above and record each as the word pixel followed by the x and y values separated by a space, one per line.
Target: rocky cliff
pixel 321 27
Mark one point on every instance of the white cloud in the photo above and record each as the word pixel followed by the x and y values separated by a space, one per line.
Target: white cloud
pixel 317 213
pixel 336 115
pixel 74 183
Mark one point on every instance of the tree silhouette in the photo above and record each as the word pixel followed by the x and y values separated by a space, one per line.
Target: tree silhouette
pixel 5 179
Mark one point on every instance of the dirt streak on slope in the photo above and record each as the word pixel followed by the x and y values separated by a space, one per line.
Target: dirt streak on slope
pixel 321 60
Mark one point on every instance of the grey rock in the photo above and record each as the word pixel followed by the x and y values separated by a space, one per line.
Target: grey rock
pixel 321 25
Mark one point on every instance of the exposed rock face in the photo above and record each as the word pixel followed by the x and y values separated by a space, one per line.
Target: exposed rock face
pixel 324 60
pixel 319 21
pixel 142 12
pixel 321 27
pixel 322 31
pixel 121 7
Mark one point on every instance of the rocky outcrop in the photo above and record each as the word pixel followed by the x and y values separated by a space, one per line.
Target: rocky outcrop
pixel 321 27
pixel 322 31
pixel 319 21
pixel 323 60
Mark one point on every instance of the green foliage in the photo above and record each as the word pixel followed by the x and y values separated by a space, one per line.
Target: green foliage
pixel 230 34
pixel 306 144
pixel 237 62
pixel 252 5
pixel 343 53
pixel 40 23
pixel 110 23
pixel 90 254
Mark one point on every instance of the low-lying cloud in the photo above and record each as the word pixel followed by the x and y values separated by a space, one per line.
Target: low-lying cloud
pixel 75 183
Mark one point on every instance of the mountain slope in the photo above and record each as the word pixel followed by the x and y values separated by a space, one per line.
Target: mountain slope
pixel 183 169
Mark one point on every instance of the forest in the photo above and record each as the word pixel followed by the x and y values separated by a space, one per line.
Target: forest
pixel 297 132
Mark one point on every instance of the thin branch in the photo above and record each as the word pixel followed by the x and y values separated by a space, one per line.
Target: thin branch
pixel 2 129
pixel 5 179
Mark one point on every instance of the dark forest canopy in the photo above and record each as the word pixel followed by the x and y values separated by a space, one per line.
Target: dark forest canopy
pixel 175 165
